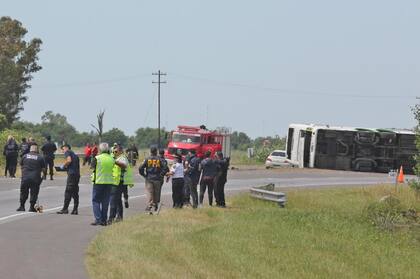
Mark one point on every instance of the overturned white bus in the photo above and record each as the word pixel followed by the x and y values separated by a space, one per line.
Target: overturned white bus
pixel 349 148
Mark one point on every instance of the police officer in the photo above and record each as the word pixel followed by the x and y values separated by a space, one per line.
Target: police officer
pixel 48 149
pixel 33 165
pixel 165 170
pixel 192 176
pixel 102 178
pixel 177 173
pixel 152 170
pixel 209 172
pixel 72 165
pixel 11 151
pixel 132 154
pixel 24 147
pixel 219 190
pixel 123 178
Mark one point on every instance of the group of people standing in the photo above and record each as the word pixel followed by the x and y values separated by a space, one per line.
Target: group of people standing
pixel 12 150
pixel 185 178
pixel 112 175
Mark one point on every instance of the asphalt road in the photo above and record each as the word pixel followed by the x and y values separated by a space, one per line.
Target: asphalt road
pixel 53 246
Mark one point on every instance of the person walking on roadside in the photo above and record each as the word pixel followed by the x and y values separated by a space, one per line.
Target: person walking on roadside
pixel 88 154
pixel 33 166
pixel 219 190
pixel 11 152
pixel 72 165
pixel 24 147
pixel 209 171
pixel 94 151
pixel 165 170
pixel 152 171
pixel 102 178
pixel 177 174
pixel 192 176
pixel 123 178
pixel 48 149
pixel 132 154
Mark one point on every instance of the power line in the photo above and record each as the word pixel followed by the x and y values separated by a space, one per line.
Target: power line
pixel 96 82
pixel 284 91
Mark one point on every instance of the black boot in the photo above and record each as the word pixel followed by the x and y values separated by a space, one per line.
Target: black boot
pixel 21 207
pixel 75 211
pixel 32 207
pixel 63 211
pixel 51 177
pixel 126 203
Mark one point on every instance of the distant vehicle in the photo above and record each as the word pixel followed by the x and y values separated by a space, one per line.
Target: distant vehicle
pixel 278 158
pixel 186 138
pixel 350 148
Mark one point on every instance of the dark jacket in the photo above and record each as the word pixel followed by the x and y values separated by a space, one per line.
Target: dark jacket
pixel 153 168
pixel 11 149
pixel 223 166
pixel 33 165
pixel 209 168
pixel 48 149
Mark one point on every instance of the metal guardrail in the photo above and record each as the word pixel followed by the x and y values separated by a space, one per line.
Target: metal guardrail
pixel 267 193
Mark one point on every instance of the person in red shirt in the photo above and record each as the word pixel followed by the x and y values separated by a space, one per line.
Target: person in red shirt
pixel 94 150
pixel 88 154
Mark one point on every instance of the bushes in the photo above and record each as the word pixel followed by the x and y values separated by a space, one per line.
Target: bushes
pixel 385 213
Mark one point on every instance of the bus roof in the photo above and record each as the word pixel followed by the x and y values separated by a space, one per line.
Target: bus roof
pixel 353 129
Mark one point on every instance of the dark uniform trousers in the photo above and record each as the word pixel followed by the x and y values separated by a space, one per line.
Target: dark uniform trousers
pixel 192 183
pixel 219 191
pixel 72 191
pixel 177 192
pixel 26 186
pixel 207 182
pixel 116 206
pixel 49 161
pixel 11 163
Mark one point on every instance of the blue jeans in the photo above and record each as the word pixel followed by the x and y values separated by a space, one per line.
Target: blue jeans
pixel 100 201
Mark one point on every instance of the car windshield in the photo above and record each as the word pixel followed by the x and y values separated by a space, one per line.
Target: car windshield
pixel 185 138
pixel 278 154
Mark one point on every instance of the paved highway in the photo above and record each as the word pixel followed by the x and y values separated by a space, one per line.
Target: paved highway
pixel 53 246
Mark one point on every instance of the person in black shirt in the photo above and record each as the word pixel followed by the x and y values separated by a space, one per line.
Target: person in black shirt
pixel 24 147
pixel 72 165
pixel 152 170
pixel 132 154
pixel 48 150
pixel 11 151
pixel 209 172
pixel 192 176
pixel 33 165
pixel 219 189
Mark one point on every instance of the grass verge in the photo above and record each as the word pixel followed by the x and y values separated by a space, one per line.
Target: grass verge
pixel 321 233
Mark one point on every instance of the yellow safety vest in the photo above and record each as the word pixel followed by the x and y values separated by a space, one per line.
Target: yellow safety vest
pixel 103 173
pixel 128 177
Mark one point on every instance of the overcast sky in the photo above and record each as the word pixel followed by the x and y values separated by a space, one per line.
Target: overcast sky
pixel 254 66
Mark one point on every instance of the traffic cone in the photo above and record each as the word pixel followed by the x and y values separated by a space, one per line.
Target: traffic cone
pixel 401 175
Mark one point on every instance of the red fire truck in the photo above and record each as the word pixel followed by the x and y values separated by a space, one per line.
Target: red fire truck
pixel 186 138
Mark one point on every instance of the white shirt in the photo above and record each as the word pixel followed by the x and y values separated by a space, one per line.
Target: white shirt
pixel 178 170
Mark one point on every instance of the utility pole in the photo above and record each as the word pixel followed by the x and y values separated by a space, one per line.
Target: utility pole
pixel 159 74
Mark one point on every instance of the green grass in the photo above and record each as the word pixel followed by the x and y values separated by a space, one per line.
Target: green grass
pixel 239 157
pixel 320 234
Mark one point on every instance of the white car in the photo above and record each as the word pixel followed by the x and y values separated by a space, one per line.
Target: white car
pixel 278 158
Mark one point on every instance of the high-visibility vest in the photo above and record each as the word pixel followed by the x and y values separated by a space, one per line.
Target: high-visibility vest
pixel 127 177
pixel 104 169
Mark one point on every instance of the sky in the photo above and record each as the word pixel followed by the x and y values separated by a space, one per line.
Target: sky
pixel 253 66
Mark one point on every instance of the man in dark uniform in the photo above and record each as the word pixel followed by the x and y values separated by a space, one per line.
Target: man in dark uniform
pixel 219 189
pixel 132 154
pixel 11 151
pixel 33 165
pixel 165 170
pixel 48 149
pixel 72 165
pixel 152 171
pixel 24 147
pixel 192 176
pixel 209 172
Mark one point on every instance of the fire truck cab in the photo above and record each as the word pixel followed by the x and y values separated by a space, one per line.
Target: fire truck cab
pixel 186 138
